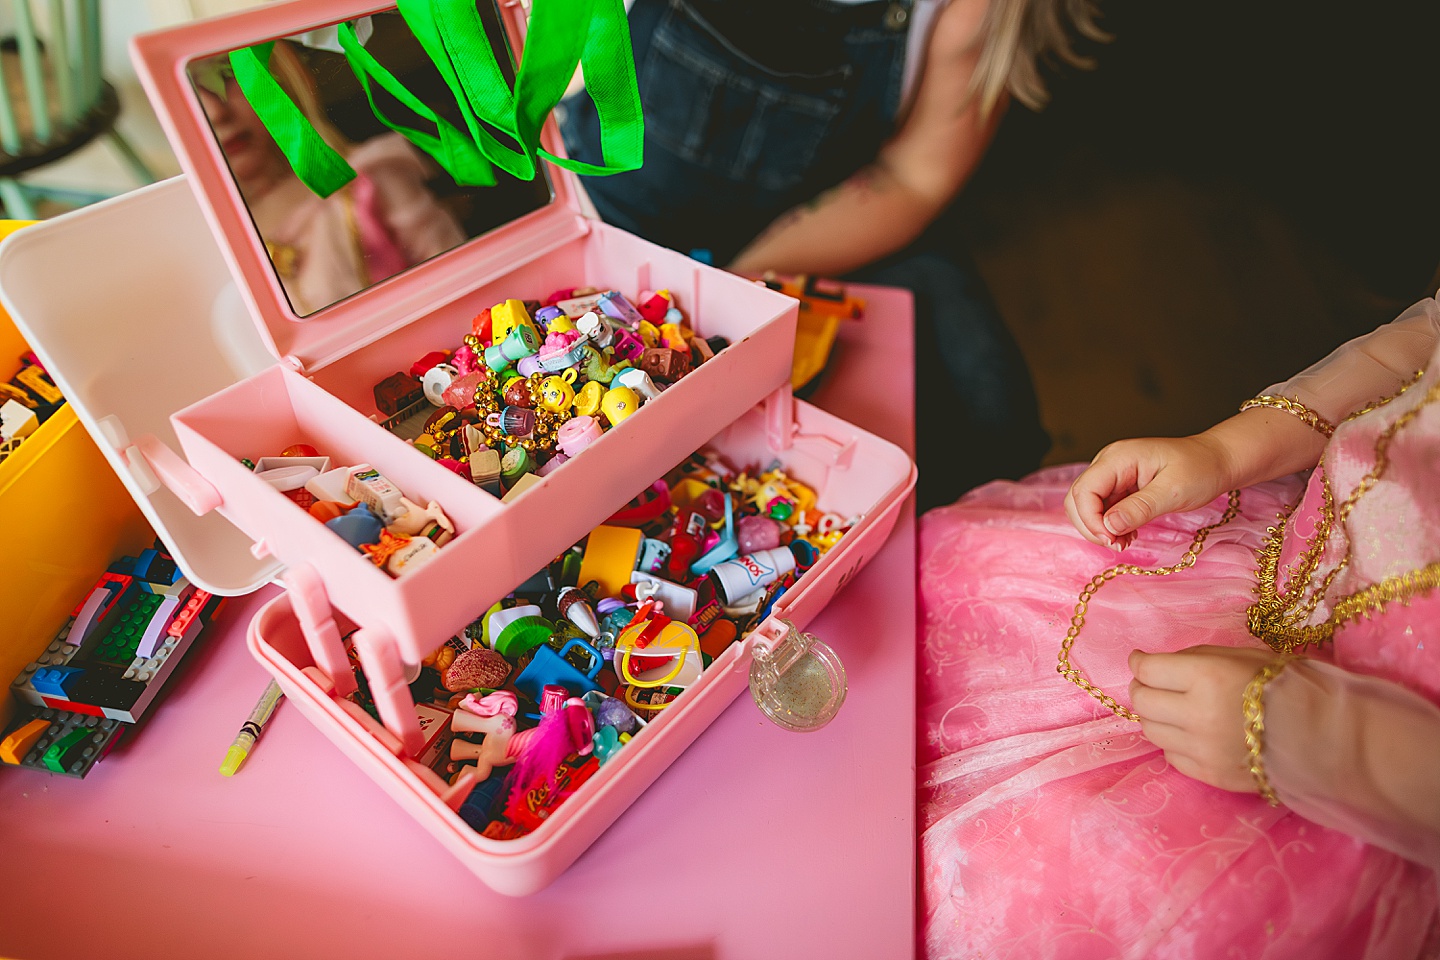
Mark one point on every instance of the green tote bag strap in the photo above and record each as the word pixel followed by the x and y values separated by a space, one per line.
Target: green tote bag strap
pixel 454 150
pixel 314 161
pixel 596 35
pixel 563 34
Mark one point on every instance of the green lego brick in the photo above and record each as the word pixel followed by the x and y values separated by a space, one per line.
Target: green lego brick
pixel 120 642
pixel 55 756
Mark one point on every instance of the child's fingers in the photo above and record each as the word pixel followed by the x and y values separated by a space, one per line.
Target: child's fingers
pixel 1093 491
pixel 1167 737
pixel 1159 496
pixel 1163 671
pixel 1161 706
pixel 1087 520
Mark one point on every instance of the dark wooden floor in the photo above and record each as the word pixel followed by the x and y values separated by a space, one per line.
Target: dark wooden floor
pixel 1230 194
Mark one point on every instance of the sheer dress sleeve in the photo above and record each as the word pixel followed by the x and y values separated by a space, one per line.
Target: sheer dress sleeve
pixel 1358 754
pixel 1367 368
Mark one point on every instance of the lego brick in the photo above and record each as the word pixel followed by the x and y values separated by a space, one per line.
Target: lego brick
pixel 126 629
pixel 59 653
pixel 98 605
pixel 96 735
pixel 192 610
pixel 156 630
pixel 159 667
pixel 55 681
pixel 14 747
pixel 142 563
pixel 163 570
pixel 57 756
pixel 104 686
pixel 72 706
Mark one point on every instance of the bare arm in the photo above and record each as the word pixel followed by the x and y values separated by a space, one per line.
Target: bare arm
pixel 1133 481
pixel 918 172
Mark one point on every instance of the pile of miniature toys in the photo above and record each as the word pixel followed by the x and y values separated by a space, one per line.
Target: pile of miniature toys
pixel 550 683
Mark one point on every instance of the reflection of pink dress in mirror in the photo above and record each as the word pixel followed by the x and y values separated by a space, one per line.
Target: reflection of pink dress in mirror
pixel 1052 828
pixel 385 220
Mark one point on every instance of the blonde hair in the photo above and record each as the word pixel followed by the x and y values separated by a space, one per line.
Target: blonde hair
pixel 1016 35
pixel 295 78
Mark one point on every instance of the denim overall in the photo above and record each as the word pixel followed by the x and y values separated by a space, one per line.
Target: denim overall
pixel 755 106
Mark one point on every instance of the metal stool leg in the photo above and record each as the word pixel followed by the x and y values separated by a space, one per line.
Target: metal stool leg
pixel 18 205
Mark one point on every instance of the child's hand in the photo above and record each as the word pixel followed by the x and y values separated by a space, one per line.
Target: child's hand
pixel 1190 706
pixel 1132 482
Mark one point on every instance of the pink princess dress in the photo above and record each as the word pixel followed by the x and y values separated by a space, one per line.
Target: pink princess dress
pixel 1052 828
pixel 382 222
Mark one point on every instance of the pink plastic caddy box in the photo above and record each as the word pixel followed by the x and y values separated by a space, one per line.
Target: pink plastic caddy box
pixel 161 346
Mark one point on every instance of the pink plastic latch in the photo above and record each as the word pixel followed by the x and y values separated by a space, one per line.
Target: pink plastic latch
pixel 184 481
pixel 312 609
pixel 782 434
pixel 385 673
pixel 834 453
pixel 771 632
pixel 780 418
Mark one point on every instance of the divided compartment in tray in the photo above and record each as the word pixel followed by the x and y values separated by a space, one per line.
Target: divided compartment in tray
pixel 498 544
pixel 853 473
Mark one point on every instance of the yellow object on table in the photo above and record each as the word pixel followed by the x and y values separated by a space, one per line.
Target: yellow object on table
pixel 66 517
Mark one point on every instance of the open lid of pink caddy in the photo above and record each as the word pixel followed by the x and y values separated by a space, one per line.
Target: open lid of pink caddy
pixel 130 302
pixel 450 238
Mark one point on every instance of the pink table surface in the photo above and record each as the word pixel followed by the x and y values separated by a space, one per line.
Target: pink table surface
pixel 755 843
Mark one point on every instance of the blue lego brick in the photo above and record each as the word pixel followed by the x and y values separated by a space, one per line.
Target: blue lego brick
pixel 143 562
pixel 55 681
pixel 125 567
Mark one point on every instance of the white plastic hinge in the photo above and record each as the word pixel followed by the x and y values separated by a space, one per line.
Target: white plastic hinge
pixel 140 470
pixel 113 431
pixel 294 364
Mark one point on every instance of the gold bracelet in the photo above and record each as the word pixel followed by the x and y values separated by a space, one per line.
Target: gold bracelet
pixel 1294 407
pixel 1254 707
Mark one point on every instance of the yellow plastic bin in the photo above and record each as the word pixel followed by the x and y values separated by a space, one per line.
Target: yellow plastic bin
pixel 65 517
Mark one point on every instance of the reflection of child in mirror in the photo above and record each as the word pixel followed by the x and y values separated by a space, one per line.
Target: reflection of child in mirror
pixel 325 249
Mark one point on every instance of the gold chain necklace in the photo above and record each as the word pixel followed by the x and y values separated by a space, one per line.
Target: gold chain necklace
pixel 1068 670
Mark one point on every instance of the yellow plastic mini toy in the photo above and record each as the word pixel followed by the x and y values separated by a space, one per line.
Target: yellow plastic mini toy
pixel 557 393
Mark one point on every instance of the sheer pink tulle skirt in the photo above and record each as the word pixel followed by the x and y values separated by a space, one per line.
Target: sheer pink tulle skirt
pixel 1050 827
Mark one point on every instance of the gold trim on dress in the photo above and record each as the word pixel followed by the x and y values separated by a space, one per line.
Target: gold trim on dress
pixel 1293 407
pixel 1280 620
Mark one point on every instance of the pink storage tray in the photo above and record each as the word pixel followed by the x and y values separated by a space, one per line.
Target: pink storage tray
pixel 319 391
pixel 853 472
pixel 499 544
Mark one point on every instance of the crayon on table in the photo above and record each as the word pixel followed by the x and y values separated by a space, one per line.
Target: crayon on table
pixel 250 731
